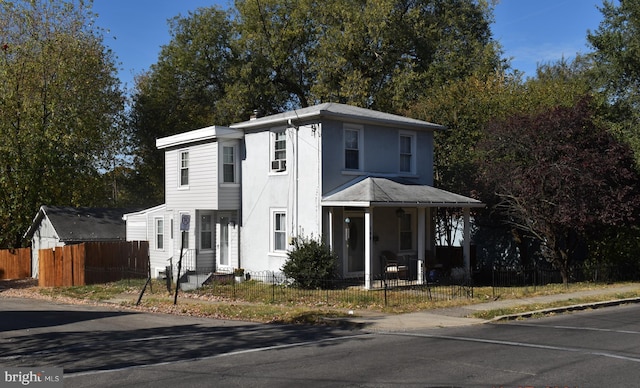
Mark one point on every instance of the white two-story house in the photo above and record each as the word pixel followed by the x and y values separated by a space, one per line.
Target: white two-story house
pixel 359 179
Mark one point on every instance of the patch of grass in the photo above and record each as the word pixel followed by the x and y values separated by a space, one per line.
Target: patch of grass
pixel 264 313
pixel 490 314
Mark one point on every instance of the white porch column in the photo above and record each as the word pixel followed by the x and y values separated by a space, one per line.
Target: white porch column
pixel 329 228
pixel 421 243
pixel 368 235
pixel 466 247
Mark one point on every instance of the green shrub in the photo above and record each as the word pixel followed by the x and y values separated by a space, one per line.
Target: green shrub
pixel 311 264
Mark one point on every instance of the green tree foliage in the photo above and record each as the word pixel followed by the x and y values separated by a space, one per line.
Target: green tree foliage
pixel 275 43
pixel 613 253
pixel 378 54
pixel 310 263
pixel 467 105
pixel 615 64
pixel 557 177
pixel 60 104
pixel 182 91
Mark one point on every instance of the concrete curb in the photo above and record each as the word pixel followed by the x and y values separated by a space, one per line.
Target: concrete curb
pixel 562 309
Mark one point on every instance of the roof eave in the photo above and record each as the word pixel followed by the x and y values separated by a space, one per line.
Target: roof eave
pixel 322 112
pixel 403 204
pixel 198 135
pixel 35 223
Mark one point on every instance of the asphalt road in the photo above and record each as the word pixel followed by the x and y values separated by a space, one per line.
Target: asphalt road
pixel 102 347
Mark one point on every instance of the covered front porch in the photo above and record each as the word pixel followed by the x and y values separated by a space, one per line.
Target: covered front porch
pixel 383 229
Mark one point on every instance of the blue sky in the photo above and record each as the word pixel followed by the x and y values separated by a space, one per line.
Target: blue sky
pixel 530 31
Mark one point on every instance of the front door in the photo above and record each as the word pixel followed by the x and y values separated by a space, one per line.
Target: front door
pixel 354 244
pixel 223 248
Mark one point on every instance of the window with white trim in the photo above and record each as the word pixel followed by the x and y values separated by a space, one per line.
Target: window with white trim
pixel 159 225
pixel 406 232
pixel 206 232
pixel 184 168
pixel 352 148
pixel 279 151
pixel 279 225
pixel 229 164
pixel 407 152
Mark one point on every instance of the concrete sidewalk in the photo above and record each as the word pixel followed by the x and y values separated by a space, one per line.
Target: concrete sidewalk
pixel 460 316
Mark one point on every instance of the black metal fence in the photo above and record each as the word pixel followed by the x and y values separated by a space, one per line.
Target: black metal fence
pixel 274 287
pixel 504 280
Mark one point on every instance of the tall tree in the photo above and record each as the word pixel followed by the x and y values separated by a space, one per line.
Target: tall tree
pixel 465 106
pixel 558 175
pixel 616 66
pixel 275 43
pixel 182 91
pixel 60 103
pixel 378 54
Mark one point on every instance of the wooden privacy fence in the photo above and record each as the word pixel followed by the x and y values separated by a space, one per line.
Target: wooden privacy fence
pixel 92 262
pixel 15 263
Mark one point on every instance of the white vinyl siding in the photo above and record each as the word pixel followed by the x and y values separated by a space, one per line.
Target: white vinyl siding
pixel 203 189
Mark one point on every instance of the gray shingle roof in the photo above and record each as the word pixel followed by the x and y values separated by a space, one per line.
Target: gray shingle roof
pixel 332 110
pixel 82 224
pixel 373 191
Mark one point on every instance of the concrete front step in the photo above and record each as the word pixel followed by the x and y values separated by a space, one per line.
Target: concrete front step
pixel 194 281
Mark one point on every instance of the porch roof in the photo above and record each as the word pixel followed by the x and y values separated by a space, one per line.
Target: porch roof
pixel 379 191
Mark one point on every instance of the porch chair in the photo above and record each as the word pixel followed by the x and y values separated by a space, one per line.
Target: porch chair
pixel 392 269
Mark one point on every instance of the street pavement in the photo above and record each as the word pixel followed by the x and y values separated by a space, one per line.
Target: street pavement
pixel 461 316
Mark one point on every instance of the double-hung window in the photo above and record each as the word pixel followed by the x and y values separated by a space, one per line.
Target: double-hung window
pixel 407 153
pixel 279 223
pixel 159 224
pixel 352 148
pixel 279 151
pixel 184 168
pixel 228 164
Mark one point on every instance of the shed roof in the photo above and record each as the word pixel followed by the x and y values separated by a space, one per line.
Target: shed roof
pixel 378 191
pixel 198 135
pixel 82 224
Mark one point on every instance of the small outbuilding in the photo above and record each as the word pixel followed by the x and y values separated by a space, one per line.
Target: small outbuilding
pixel 55 226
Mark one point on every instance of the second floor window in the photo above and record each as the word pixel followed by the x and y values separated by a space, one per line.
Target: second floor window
pixel 406 153
pixel 279 152
pixel 228 165
pixel 184 168
pixel 351 149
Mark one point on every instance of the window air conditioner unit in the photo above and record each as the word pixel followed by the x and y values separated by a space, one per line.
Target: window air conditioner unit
pixel 278 165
